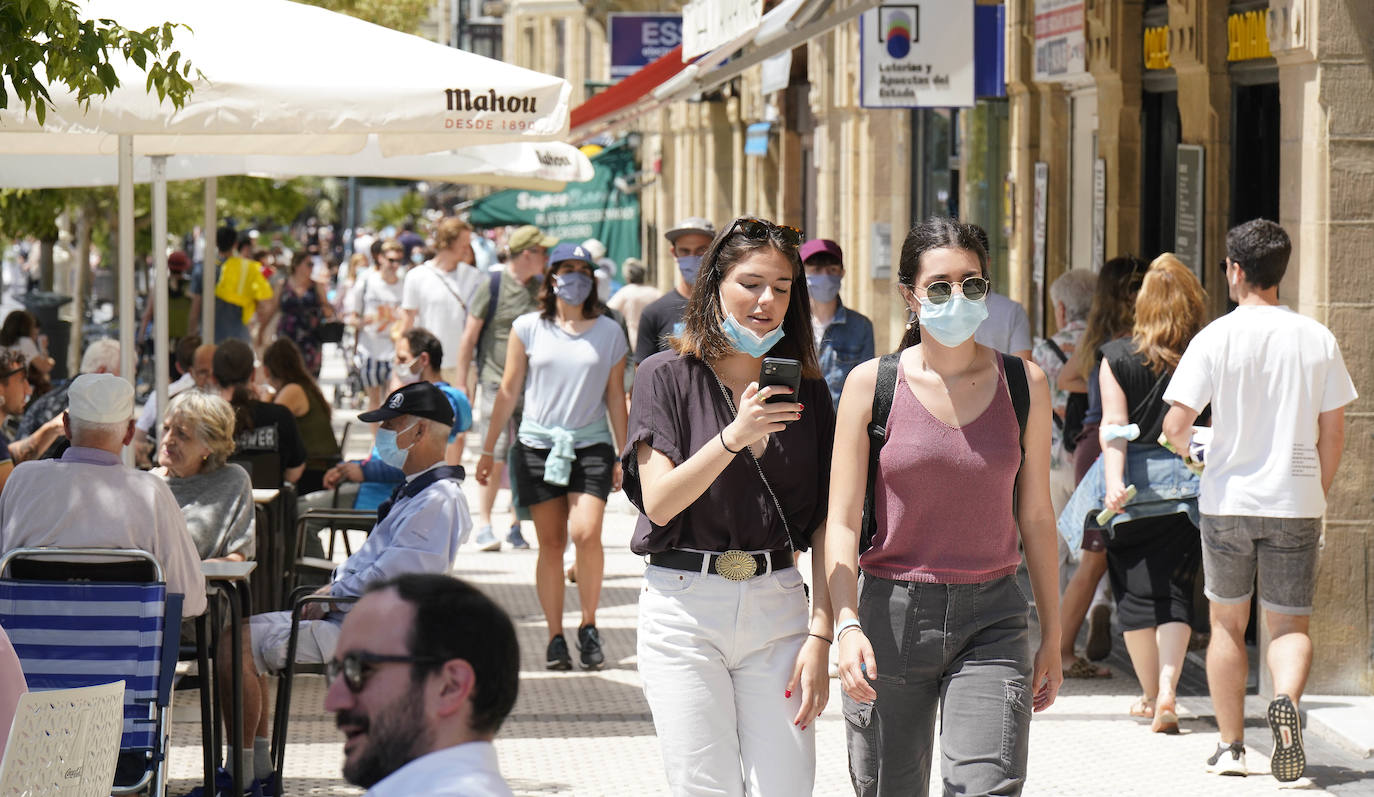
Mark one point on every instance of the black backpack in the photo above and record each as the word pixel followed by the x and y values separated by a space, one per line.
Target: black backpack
pixel 1075 408
pixel 888 364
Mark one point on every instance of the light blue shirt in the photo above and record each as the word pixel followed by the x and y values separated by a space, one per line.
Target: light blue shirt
pixel 421 534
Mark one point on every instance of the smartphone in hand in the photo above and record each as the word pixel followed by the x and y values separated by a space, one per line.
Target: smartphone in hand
pixel 782 371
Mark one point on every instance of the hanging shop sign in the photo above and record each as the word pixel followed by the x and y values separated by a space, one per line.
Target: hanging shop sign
pixel 639 39
pixel 1061 45
pixel 900 69
pixel 1040 221
pixel 880 249
pixel 1157 48
pixel 756 138
pixel 594 209
pixel 1247 36
pixel 989 51
pixel 707 24
pixel 776 73
pixel 1188 207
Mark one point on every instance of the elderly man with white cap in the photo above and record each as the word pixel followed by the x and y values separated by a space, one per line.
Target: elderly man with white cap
pixel 90 499
pixel 690 239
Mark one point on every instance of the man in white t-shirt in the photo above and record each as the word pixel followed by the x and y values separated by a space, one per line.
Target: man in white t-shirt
pixel 1278 387
pixel 437 293
pixel 1007 327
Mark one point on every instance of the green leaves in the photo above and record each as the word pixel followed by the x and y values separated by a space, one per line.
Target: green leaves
pixel 47 42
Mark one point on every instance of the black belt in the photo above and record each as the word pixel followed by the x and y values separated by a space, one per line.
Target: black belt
pixel 734 565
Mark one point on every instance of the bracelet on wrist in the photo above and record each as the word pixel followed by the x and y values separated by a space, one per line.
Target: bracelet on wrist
pixel 824 639
pixel 491 454
pixel 725 445
pixel 846 626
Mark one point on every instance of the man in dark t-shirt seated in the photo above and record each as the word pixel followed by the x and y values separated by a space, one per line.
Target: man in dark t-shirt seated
pixel 264 434
pixel 690 238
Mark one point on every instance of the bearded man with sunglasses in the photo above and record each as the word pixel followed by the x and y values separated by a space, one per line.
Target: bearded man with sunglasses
pixel 427 668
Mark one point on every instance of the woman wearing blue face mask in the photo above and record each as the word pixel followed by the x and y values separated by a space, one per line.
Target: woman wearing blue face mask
pixel 730 487
pixel 570 359
pixel 938 619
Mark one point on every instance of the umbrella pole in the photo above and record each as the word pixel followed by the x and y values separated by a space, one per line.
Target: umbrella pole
pixel 207 268
pixel 127 319
pixel 161 311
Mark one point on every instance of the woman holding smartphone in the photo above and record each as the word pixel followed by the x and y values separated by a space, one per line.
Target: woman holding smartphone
pixel 937 619
pixel 570 360
pixel 730 486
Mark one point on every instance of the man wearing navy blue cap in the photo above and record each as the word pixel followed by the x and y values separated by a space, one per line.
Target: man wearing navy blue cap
pixel 419 530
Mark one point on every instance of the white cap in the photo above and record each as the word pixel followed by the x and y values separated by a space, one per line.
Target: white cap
pixel 595 248
pixel 100 398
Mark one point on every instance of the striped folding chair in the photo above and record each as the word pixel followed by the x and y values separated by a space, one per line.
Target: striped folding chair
pixel 72 634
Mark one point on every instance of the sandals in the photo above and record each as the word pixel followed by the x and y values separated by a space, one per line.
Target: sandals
pixel 1166 721
pixel 1143 707
pixel 1082 668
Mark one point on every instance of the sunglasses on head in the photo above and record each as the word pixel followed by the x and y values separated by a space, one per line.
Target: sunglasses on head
pixel 975 289
pixel 762 230
pixel 358 666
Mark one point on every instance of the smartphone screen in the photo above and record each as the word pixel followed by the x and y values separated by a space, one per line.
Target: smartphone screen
pixel 780 371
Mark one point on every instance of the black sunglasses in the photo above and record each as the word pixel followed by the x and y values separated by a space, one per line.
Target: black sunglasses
pixel 356 667
pixel 975 289
pixel 18 369
pixel 762 230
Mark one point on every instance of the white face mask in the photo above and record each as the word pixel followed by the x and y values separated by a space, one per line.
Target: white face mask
pixel 407 373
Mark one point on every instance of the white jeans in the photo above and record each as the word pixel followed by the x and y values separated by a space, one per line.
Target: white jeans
pixel 715 656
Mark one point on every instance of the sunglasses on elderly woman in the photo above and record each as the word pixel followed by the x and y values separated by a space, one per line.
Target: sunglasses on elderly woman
pixel 975 289
pixel 358 666
pixel 762 230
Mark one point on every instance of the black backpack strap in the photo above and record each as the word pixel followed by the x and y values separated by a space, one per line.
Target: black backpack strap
pixel 493 293
pixel 1015 369
pixel 883 390
pixel 1058 352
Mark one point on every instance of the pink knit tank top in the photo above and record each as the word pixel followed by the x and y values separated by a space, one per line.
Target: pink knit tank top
pixel 944 495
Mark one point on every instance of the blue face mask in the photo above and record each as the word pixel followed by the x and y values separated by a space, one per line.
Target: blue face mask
pixel 746 340
pixel 823 287
pixel 954 321
pixel 573 287
pixel 387 450
pixel 687 266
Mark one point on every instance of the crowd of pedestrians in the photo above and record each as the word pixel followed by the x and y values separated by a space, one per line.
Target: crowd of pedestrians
pixel 749 418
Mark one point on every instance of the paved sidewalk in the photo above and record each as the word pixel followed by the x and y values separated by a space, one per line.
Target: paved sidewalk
pixel 591 734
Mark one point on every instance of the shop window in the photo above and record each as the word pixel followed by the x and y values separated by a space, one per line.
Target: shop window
pixel 1159 172
pixel 1254 153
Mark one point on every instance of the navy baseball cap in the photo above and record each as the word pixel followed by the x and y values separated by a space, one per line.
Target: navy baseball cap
pixel 570 251
pixel 421 399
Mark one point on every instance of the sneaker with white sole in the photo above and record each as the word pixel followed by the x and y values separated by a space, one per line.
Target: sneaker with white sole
pixel 516 539
pixel 1288 759
pixel 1229 759
pixel 486 540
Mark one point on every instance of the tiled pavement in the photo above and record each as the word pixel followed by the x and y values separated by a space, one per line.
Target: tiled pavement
pixel 591 733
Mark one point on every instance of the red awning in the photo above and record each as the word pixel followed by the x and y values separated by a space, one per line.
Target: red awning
pixel 630 90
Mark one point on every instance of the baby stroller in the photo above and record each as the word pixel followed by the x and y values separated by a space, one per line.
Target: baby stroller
pixel 350 393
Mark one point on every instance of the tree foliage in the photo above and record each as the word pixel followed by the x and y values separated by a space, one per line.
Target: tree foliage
pixel 403 15
pixel 46 42
pixel 409 207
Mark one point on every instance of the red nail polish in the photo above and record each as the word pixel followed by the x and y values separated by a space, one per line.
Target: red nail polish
pixel 803 727
pixel 787 693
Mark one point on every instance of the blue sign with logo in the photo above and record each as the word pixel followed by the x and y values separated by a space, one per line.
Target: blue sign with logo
pixel 638 39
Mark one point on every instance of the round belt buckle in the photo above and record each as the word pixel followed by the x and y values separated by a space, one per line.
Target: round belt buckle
pixel 736 565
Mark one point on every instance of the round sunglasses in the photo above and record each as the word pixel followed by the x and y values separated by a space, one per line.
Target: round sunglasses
pixel 975 289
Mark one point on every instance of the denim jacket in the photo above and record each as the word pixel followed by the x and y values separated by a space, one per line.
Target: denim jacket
pixel 847 342
pixel 1164 486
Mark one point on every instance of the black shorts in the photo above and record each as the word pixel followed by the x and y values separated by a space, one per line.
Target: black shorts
pixel 591 473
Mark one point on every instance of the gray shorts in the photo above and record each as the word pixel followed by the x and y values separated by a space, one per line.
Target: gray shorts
pixel 1282 550
pixel 270 634
pixel 486 401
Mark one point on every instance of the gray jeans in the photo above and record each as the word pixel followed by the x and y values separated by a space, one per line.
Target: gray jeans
pixel 963 648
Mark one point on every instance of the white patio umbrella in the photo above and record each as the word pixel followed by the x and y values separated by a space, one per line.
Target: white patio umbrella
pixel 533 166
pixel 281 78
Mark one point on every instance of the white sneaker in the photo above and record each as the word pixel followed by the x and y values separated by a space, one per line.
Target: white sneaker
pixel 486 540
pixel 1229 759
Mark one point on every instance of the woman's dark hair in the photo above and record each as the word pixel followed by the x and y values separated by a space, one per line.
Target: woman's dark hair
pixel 297 260
pixel 454 620
pixel 284 363
pixel 18 324
pixel 1113 310
pixel 548 300
pixel 936 232
pixel 232 366
pixel 422 341
pixel 702 335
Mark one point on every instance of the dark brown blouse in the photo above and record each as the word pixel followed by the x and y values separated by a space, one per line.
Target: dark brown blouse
pixel 677 409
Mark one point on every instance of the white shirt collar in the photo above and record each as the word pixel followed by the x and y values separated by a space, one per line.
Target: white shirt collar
pixel 470 770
